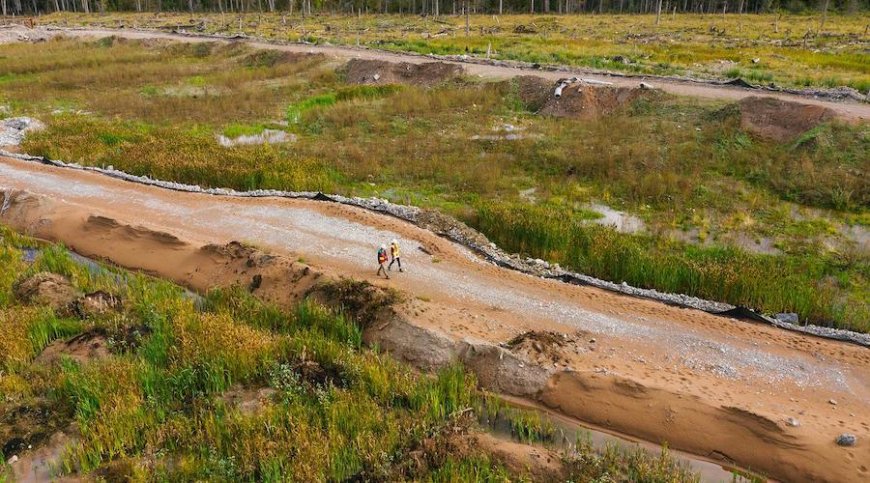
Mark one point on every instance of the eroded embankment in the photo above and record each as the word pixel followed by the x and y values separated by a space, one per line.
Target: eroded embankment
pixel 616 401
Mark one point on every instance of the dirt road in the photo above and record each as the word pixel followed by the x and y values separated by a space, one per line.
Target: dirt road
pixel 853 111
pixel 711 386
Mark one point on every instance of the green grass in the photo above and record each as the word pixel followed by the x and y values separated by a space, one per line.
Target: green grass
pixel 698 181
pixel 157 408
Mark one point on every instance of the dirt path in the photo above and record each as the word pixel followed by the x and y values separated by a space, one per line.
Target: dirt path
pixel 708 385
pixel 853 111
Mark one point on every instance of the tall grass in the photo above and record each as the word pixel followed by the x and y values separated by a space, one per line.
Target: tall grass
pixel 782 283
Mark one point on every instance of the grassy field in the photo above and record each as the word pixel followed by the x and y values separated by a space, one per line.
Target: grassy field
pixel 727 216
pixel 790 49
pixel 158 404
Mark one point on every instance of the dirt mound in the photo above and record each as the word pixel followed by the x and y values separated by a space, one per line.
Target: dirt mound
pixel 779 120
pixel 533 91
pixel 545 348
pixel 82 348
pixel 265 275
pixel 540 464
pixel 361 71
pixel 46 288
pixel 584 101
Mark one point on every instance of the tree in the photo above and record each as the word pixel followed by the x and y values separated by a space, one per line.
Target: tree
pixel 824 14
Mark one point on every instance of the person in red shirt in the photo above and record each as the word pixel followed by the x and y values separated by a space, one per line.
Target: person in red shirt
pixel 382 261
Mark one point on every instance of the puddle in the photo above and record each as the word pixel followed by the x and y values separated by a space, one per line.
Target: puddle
pixel 268 136
pixel 95 268
pixel 29 254
pixel 621 221
pixel 568 431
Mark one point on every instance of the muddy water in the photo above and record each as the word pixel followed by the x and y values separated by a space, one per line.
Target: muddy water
pixel 570 431
pixel 29 255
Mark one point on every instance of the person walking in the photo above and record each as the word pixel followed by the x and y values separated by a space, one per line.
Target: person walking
pixel 382 260
pixel 394 254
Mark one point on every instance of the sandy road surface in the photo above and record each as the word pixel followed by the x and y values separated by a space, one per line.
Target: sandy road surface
pixel 854 111
pixel 708 385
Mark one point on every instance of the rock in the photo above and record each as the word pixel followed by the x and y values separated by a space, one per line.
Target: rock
pixel 756 60
pixel 46 288
pixel 793 422
pixel 832 402
pixel 787 317
pixel 12 460
pixel 644 85
pixel 13 130
pixel 847 439
pixel 621 59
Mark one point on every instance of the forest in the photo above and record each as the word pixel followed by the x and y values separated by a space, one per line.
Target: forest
pixel 435 7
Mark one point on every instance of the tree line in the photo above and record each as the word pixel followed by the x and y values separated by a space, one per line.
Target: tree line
pixel 431 7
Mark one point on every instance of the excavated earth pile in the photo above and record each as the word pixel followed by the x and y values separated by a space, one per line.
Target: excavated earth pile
pixel 362 71
pixel 583 101
pixel 779 120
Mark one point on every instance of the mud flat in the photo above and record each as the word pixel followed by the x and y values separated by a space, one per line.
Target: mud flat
pixel 714 387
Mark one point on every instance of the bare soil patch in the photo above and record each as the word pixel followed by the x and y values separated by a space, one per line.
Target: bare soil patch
pixel 361 71
pixel 544 347
pixel 780 120
pixel 88 346
pixel 540 464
